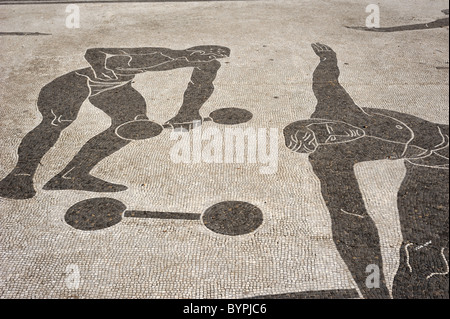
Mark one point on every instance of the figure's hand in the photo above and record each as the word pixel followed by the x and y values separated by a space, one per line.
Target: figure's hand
pixel 207 53
pixel 183 122
pixel 105 74
pixel 365 29
pixel 323 51
pixel 202 57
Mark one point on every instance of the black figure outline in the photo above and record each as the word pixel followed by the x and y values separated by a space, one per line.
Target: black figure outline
pixel 440 23
pixel 339 135
pixel 23 33
pixel 230 218
pixel 317 294
pixel 107 84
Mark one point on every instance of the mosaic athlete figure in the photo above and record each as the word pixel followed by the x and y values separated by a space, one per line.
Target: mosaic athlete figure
pixel 107 84
pixel 339 135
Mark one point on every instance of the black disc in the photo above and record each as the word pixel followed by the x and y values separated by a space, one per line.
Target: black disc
pixel 233 218
pixel 139 130
pixel 95 214
pixel 231 116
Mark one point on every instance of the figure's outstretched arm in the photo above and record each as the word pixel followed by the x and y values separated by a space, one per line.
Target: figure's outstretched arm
pixel 354 232
pixel 107 62
pixel 122 57
pixel 441 23
pixel 333 100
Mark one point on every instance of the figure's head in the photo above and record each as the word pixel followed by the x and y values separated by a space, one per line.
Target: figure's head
pixel 307 135
pixel 209 52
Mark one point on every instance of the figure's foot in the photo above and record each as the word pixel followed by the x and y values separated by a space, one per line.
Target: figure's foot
pixel 323 51
pixel 85 183
pixel 17 186
pixel 185 122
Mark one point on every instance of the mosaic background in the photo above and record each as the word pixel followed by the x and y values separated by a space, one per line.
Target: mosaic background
pixel 269 73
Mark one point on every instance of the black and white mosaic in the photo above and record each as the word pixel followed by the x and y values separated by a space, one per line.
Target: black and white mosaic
pixel 358 206
pixel 107 84
pixel 340 135
pixel 226 218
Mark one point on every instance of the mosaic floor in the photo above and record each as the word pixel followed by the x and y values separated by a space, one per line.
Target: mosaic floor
pixel 224 149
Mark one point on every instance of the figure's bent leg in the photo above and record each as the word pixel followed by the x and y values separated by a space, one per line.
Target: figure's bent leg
pixel 122 104
pixel 423 206
pixel 199 90
pixel 59 103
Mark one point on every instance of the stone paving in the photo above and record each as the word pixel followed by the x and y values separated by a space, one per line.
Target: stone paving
pixel 224 149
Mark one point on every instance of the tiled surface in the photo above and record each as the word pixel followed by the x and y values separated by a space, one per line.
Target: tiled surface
pixel 269 73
